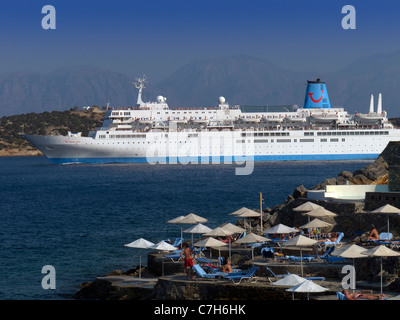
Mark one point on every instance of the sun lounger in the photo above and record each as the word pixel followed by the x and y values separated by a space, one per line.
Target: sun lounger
pixel 315 278
pixel 331 259
pixel 336 243
pixel 175 256
pixel 204 275
pixel 177 242
pixel 274 275
pixel 327 257
pixel 206 261
pixel 298 259
pixel 385 238
pixel 198 251
pixel 239 276
pixel 210 265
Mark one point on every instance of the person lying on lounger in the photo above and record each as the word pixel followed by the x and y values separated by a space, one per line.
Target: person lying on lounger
pixel 362 296
pixel 332 237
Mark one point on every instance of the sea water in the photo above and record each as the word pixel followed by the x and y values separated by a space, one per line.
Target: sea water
pixel 78 217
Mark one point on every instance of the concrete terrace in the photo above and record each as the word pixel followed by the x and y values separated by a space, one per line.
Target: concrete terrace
pixel 174 285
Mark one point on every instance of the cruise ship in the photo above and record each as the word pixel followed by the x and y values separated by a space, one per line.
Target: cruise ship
pixel 155 133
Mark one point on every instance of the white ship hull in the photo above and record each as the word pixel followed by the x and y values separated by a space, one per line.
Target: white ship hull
pixel 218 147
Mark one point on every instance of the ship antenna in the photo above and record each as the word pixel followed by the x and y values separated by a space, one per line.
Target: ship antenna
pixel 139 84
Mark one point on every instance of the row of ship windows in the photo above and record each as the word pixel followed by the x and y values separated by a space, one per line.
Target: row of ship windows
pixel 243 141
pixel 350 133
pixel 116 113
pixel 322 133
pixel 131 136
pixel 268 134
pixel 263 134
pixel 290 140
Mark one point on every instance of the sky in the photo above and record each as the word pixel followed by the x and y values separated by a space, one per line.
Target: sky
pixel 156 37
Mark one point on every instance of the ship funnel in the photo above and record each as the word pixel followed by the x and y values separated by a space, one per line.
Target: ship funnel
pixel 371 104
pixel 316 95
pixel 379 108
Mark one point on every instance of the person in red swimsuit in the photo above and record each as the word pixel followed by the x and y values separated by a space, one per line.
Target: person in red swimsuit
pixel 187 254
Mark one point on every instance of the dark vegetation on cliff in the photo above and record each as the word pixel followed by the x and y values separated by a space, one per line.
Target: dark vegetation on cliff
pixel 46 123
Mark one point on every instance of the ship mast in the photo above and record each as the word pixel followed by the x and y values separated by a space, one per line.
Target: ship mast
pixel 139 84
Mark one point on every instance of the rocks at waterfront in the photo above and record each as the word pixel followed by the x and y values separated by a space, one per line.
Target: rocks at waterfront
pixel 353 219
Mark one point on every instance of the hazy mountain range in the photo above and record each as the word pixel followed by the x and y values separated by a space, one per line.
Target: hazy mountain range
pixel 242 80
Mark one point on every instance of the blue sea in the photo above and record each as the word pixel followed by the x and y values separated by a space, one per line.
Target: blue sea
pixel 77 218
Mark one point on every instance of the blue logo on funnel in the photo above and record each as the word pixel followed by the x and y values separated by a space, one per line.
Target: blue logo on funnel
pixel 316 95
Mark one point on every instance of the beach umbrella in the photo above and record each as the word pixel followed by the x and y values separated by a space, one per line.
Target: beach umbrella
pixel 388 210
pixel 192 218
pixel 280 228
pixel 301 242
pixel 248 214
pixel 232 227
pixel 320 212
pixel 316 223
pixel 163 246
pixel 308 206
pixel 241 210
pixel 290 280
pixel 307 286
pixel 352 252
pixel 140 244
pixel 252 238
pixel 198 228
pixel 221 233
pixel 176 220
pixel 210 242
pixel 381 251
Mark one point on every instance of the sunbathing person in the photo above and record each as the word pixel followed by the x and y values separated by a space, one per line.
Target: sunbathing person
pixel 227 266
pixel 362 296
pixel 374 234
pixel 227 239
pixel 333 237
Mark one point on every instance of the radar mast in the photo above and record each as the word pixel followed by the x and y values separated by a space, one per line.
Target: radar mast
pixel 139 84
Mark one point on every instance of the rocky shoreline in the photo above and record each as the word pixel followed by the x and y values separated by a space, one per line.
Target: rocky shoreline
pixel 351 218
pixel 20 152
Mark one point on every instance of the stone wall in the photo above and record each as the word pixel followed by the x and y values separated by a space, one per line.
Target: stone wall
pixel 166 289
pixel 394 177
